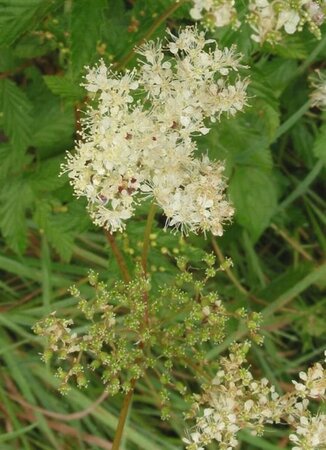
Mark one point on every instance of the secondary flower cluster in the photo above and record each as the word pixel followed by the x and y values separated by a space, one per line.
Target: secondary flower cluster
pixel 318 94
pixel 267 18
pixel 137 140
pixel 235 400
pixel 131 330
pixel 216 13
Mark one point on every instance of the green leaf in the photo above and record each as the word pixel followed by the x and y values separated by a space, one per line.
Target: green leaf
pixel 293 47
pixel 243 140
pixel 254 195
pixel 278 73
pixel 319 147
pixel 54 126
pixel 46 177
pixel 15 109
pixel 18 16
pixel 15 199
pixel 86 23
pixel 64 87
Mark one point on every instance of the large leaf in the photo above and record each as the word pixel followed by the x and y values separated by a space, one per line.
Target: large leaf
pixel 254 195
pixel 15 198
pixel 64 87
pixel 54 126
pixel 47 177
pixel 86 24
pixel 18 16
pixel 16 109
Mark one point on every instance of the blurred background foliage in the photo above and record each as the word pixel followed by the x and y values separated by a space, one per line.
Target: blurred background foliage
pixel 274 153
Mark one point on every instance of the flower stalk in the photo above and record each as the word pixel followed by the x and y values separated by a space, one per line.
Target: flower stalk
pixel 123 416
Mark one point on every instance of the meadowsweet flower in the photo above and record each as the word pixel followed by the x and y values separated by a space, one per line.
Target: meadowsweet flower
pixel 310 433
pixel 195 200
pixel 318 94
pixel 313 382
pixel 215 13
pixel 269 18
pixel 137 137
pixel 235 400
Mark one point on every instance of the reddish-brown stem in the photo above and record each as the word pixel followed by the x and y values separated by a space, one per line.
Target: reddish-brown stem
pixel 123 416
pixel 119 257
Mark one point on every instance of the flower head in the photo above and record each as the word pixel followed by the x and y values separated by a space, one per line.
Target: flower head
pixel 268 19
pixel 137 136
pixel 216 13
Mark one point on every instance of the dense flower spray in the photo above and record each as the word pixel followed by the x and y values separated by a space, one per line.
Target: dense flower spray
pixel 216 13
pixel 235 400
pixel 137 138
pixel 269 19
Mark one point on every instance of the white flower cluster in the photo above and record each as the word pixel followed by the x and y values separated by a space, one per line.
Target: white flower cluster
pixel 137 141
pixel 215 13
pixel 235 401
pixel 318 94
pixel 310 433
pixel 267 18
pixel 313 383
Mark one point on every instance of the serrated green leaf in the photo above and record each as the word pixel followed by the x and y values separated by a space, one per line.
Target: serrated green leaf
pixel 16 109
pixel 278 73
pixel 319 147
pixel 18 16
pixel 293 47
pixel 64 87
pixel 254 195
pixel 6 161
pixel 46 177
pixel 86 23
pixel 15 198
pixel 54 126
pixel 243 140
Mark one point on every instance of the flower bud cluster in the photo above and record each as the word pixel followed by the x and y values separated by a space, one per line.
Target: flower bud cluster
pixel 235 400
pixel 269 19
pixel 130 330
pixel 137 138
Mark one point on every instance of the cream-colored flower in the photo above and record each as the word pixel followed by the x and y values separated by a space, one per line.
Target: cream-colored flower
pixel 235 401
pixel 269 18
pixel 131 149
pixel 215 13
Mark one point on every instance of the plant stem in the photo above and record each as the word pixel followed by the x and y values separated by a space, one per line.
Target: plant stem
pixel 122 417
pixel 127 400
pixel 148 228
pixel 119 257
pixel 158 22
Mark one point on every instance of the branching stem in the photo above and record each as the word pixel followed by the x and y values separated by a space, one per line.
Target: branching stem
pixel 123 416
pixel 127 400
pixel 119 257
